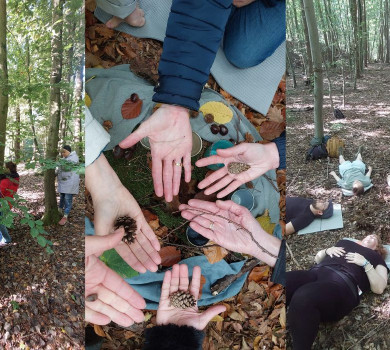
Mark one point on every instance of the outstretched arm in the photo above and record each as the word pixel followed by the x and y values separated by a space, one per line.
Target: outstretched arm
pixel 369 171
pixel 335 176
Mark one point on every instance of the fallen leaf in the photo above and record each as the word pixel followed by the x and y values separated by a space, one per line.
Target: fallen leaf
pixel 169 256
pixel 214 253
pixel 282 317
pixel 256 343
pixel 265 222
pixel 258 273
pixel 249 138
pixel 270 130
pixel 236 316
pixel 104 31
pixel 99 331
pixel 275 114
pixel 202 282
pixel 161 231
pixel 244 345
pixel 217 318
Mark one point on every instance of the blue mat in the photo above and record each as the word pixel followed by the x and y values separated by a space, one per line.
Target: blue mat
pixel 332 223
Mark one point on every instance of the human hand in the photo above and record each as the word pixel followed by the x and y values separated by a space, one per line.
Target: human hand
pixel 170 137
pixel 370 168
pixel 135 19
pixel 114 300
pixel 332 173
pixel 227 233
pixel 175 280
pixel 335 251
pixel 112 200
pixel 355 258
pixel 261 158
pixel 242 3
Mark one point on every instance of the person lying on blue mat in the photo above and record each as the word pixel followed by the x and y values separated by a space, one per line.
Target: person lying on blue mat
pixel 331 289
pixel 301 212
pixel 354 180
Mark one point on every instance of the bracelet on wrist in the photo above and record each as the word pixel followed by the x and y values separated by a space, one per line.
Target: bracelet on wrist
pixel 365 263
pixel 370 267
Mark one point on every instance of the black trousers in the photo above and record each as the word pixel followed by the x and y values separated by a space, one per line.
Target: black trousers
pixel 314 296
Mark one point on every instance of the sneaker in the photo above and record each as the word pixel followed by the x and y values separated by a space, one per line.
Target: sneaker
pixel 63 221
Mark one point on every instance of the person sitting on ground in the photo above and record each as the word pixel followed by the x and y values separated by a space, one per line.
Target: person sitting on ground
pixel 68 183
pixel 9 185
pixel 301 212
pixel 353 180
pixel 330 290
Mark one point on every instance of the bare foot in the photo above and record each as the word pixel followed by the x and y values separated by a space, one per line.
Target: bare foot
pixel 135 19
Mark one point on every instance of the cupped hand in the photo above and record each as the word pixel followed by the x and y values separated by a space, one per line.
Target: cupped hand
pixel 113 299
pixel 112 200
pixel 259 157
pixel 170 137
pixel 227 233
pixel 355 258
pixel 335 251
pixel 175 280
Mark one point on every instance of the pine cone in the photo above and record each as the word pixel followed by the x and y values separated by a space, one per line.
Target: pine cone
pixel 237 168
pixel 182 300
pixel 130 227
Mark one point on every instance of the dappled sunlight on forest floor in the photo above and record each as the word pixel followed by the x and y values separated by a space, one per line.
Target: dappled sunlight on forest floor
pixel 41 295
pixel 367 123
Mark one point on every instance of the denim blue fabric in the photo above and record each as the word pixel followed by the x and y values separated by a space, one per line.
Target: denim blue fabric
pixel 4 235
pixel 254 32
pixel 66 201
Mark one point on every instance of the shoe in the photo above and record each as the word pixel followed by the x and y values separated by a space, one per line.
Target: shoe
pixel 63 221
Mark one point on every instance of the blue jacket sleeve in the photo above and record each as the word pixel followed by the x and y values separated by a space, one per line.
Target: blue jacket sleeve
pixel 281 145
pixel 194 33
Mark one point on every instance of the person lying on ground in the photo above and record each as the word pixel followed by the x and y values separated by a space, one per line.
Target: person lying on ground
pixel 353 178
pixel 194 34
pixel 260 157
pixel 108 296
pixel 251 239
pixel 301 212
pixel 178 328
pixel 68 183
pixel 9 185
pixel 331 289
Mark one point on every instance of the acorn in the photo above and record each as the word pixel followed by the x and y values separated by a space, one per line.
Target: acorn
pixel 223 130
pixel 209 118
pixel 118 152
pixel 214 129
pixel 130 227
pixel 107 125
pixel 134 97
pixel 182 300
pixel 129 152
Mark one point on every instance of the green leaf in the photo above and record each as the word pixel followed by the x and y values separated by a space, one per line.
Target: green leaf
pixel 114 261
pixel 24 221
pixel 49 250
pixel 41 241
pixel 15 305
pixel 34 232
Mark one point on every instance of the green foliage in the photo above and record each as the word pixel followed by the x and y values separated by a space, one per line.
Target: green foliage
pixel 36 228
pixel 336 127
pixel 15 305
pixel 115 262
pixel 42 164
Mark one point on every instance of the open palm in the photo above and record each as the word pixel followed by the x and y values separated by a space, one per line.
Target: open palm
pixel 260 158
pixel 175 280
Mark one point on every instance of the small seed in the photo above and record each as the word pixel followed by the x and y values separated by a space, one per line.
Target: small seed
pixel 92 297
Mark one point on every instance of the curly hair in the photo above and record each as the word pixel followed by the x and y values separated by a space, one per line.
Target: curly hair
pixel 11 166
pixel 380 248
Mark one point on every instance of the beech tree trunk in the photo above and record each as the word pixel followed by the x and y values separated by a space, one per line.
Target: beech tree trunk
pixel 307 41
pixel 17 139
pixel 3 78
pixel 51 215
pixel 318 76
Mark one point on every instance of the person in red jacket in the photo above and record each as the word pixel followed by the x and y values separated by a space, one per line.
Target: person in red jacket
pixel 9 184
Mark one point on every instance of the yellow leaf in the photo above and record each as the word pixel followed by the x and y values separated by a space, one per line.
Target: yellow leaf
pixel 265 222
pixel 148 316
pixel 256 343
pixel 217 318
pixel 215 253
pixel 88 100
pixel 222 114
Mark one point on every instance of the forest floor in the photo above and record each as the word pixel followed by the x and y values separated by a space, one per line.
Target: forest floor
pixel 367 123
pixel 255 318
pixel 41 295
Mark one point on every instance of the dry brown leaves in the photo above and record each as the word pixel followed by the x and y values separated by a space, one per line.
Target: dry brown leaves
pixel 169 256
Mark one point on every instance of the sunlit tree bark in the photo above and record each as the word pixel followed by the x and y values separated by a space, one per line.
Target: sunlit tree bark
pixel 3 78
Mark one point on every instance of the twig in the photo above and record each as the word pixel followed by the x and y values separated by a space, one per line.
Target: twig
pixel 292 181
pixel 224 282
pixel 239 227
pixel 292 256
pixel 271 182
pixel 373 331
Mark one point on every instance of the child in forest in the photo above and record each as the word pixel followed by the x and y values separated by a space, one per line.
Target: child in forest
pixel 9 184
pixel 353 180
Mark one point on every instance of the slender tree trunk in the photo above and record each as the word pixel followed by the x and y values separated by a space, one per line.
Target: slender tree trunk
pixel 386 32
pixel 317 64
pixel 17 139
pixel 342 69
pixel 29 101
pixel 290 63
pixel 329 85
pixel 307 41
pixel 51 211
pixel 354 19
pixel 79 110
pixel 3 78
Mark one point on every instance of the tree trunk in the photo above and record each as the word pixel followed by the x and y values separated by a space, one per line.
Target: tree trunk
pixel 3 78
pixel 386 33
pixel 51 211
pixel 17 139
pixel 290 63
pixel 354 18
pixel 79 110
pixel 329 86
pixel 29 101
pixel 318 78
pixel 307 41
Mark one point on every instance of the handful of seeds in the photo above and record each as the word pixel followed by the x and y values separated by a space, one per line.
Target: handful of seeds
pixel 130 227
pixel 182 300
pixel 237 168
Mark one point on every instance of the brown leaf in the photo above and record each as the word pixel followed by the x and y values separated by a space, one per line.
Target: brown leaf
pixel 161 231
pixel 258 273
pixel 202 282
pixel 215 253
pixel 99 330
pixel 234 315
pixel 169 256
pixel 127 50
pixel 270 130
pixel 104 31
pixel 275 114
pixel 249 138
